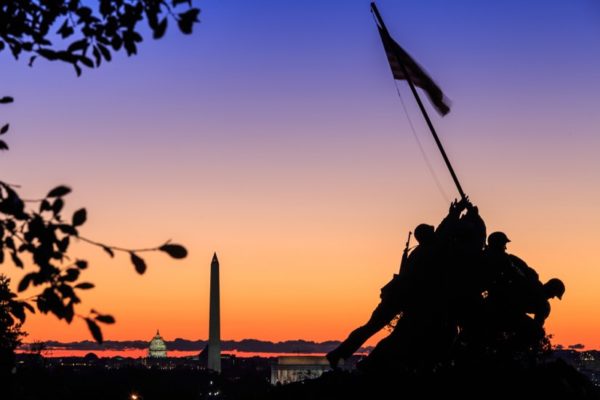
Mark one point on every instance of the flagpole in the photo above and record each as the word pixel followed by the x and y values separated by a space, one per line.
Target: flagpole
pixel 423 111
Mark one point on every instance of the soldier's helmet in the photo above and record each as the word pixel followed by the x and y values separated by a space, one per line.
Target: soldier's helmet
pixel 554 288
pixel 497 239
pixel 424 233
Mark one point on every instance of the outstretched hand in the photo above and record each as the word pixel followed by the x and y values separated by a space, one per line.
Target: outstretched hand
pixel 454 207
pixel 465 204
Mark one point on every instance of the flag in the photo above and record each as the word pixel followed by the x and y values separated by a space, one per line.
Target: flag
pixel 397 58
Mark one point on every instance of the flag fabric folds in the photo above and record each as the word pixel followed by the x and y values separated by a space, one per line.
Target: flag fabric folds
pixel 397 58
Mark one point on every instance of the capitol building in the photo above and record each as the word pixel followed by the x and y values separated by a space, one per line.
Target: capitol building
pixel 157 347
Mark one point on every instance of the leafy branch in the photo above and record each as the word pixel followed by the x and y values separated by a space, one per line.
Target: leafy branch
pixel 174 250
pixel 87 37
pixel 44 235
pixel 90 36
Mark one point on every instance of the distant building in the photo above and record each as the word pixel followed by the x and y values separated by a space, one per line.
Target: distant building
pixel 288 369
pixel 157 347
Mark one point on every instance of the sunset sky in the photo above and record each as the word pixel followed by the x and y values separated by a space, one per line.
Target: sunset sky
pixel 274 136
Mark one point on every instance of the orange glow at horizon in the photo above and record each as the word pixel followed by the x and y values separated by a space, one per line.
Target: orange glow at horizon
pixel 291 157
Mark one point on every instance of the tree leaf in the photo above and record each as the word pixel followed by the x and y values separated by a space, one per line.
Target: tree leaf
pixel 116 43
pixel 138 263
pixel 10 243
pixel 57 206
pixel 6 99
pixel 48 54
pixel 68 229
pixel 107 319
pixel 3 145
pixel 59 191
pixel 17 309
pixel 78 45
pixel 84 286
pixel 65 30
pixel 160 29
pixel 66 290
pixel 84 12
pixel 12 204
pixel 81 264
pixel 4 129
pixel 108 250
pixel 45 206
pixel 79 217
pixel 16 260
pixel 186 20
pixel 94 330
pixel 71 275
pixel 130 46
pixel 174 250
pixel 86 61
pixel 63 244
pixel 69 313
pixel 97 56
pixel 105 52
pixel 24 284
pixel 28 307
pixel 10 224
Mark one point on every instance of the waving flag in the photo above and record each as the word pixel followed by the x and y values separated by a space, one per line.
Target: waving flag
pixel 398 58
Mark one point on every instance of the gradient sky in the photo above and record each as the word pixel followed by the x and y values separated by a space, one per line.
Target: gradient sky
pixel 274 136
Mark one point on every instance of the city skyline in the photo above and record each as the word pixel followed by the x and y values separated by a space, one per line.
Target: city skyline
pixel 274 136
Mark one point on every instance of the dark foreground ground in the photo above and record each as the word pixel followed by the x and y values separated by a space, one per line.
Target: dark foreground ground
pixel 554 380
pixel 129 383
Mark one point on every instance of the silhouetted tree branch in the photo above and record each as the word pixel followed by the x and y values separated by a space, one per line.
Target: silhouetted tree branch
pixel 87 36
pixel 42 236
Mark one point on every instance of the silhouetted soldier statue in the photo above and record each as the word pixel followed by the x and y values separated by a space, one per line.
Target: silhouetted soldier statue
pixel 465 278
pixel 553 288
pixel 463 309
pixel 425 328
pixel 422 334
pixel 539 305
pixel 511 291
pixel 453 292
pixel 395 295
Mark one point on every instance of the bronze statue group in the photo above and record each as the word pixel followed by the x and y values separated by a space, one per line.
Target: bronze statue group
pixel 456 299
pixel 466 320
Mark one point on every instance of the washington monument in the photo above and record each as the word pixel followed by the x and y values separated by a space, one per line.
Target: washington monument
pixel 214 323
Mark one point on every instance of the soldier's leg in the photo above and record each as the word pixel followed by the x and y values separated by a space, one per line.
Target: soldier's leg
pixel 382 315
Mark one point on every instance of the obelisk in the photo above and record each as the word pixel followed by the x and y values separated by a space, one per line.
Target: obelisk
pixel 214 322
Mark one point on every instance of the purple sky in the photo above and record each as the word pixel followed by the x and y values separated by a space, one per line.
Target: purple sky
pixel 274 135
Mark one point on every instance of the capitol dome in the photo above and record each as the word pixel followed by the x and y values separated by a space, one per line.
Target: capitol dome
pixel 157 348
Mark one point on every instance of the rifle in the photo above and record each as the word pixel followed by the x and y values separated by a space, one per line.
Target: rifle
pixel 405 253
